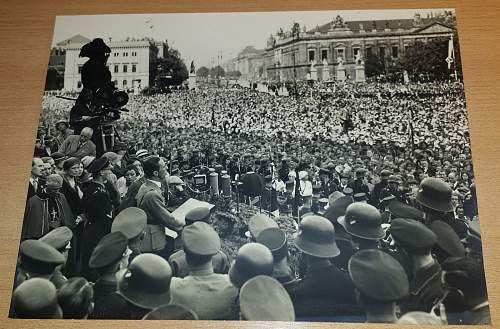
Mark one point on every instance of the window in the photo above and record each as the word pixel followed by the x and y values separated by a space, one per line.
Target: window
pixel 382 52
pixel 355 52
pixel 340 54
pixel 311 55
pixel 79 69
pixel 79 84
pixel 133 68
pixel 368 51
pixel 324 54
pixel 394 51
pixel 407 48
pixel 124 83
pixel 115 83
pixel 115 54
pixel 116 69
pixel 134 53
pixel 125 54
pixel 124 68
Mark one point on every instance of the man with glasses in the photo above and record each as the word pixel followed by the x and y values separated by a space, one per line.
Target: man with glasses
pixel 79 146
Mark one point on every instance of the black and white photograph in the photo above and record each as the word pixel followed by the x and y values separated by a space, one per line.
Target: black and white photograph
pixel 309 166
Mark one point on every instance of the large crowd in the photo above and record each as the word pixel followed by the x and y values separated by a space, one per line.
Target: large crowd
pixel 385 208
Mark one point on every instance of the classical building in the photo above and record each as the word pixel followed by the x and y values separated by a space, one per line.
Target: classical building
pixel 131 63
pixel 324 47
pixel 249 62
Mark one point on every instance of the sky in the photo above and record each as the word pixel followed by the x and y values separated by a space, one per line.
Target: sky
pixel 202 37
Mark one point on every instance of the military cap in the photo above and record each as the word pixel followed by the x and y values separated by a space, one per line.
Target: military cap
pixel 263 298
pixel 274 239
pixel 93 48
pixel 316 237
pixel 111 156
pixel 435 194
pixel 378 276
pixel 62 122
pixel 334 196
pixel 171 312
pixel 98 165
pixel 360 172
pixel 385 173
pixel 447 239
pixel 198 214
pixel 140 154
pixel 200 239
pixel 54 181
pixel 146 282
pixel 58 157
pixel 58 237
pixel 393 179
pixel 39 257
pixel 345 175
pixel 175 180
pixel 348 191
pixel 252 259
pixel 401 210
pixel 130 221
pixel 258 223
pixel 363 221
pixel 338 208
pixel 36 298
pixel 418 317
pixel 360 197
pixel 70 163
pixel 87 161
pixel 413 236
pixel 386 195
pixel 109 250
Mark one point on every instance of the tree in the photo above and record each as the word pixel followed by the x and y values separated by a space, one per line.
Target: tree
pixel 202 72
pixel 171 69
pixel 374 65
pixel 217 71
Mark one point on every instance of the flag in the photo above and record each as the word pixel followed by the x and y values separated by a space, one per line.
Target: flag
pixel 451 53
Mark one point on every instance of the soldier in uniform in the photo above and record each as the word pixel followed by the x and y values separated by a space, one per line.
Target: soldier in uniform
pixel 211 296
pixel 377 189
pixel 106 259
pixel 325 292
pixel 37 260
pixel 180 267
pixel 144 285
pixel 381 282
pixel 59 239
pixel 252 259
pixel 417 241
pixel 358 185
pixel 76 298
pixel 264 299
pixel 448 243
pixel 363 222
pixel 98 210
pixel 35 299
pixel 132 223
pixel 171 312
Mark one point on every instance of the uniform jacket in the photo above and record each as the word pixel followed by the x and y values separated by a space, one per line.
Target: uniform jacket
pixel 129 198
pixel 425 289
pixel 70 147
pixel 211 296
pixel 107 303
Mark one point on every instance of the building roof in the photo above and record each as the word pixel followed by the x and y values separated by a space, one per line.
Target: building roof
pixel 380 25
pixel 74 39
pixel 251 50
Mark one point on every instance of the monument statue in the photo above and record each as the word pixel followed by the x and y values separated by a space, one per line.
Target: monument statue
pixel 340 62
pixel 338 22
pixel 359 58
pixel 192 70
pixel 325 62
pixel 313 63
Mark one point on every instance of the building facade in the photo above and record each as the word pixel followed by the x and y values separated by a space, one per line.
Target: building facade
pixel 131 63
pixel 324 47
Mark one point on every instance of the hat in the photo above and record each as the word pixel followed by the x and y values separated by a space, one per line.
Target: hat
pixel 252 259
pixel 201 213
pixel 146 282
pixel 58 157
pixel 111 156
pixel 360 197
pixel 385 173
pixel 70 163
pixel 316 237
pixel 54 181
pixel 360 172
pixel 263 298
pixel 39 257
pixel 175 180
pixel 274 239
pixel 334 196
pixel 401 210
pixel 447 239
pixel 258 223
pixel 87 160
pixel 386 195
pixel 435 194
pixel 141 153
pixel 93 48
pixel 363 221
pixel 36 298
pixel 62 122
pixel 348 191
pixel 130 221
pixel 393 179
pixel 413 236
pixel 418 317
pixel 98 165
pixel 58 238
pixel 378 276
pixel 171 312
pixel 200 239
pixel 109 250
pixel 338 208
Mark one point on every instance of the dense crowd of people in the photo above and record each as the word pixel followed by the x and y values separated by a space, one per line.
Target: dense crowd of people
pixel 385 206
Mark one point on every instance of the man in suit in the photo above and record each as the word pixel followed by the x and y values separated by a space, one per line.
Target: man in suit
pixel 150 199
pixel 79 146
pixel 211 296
pixel 36 177
pixel 324 291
